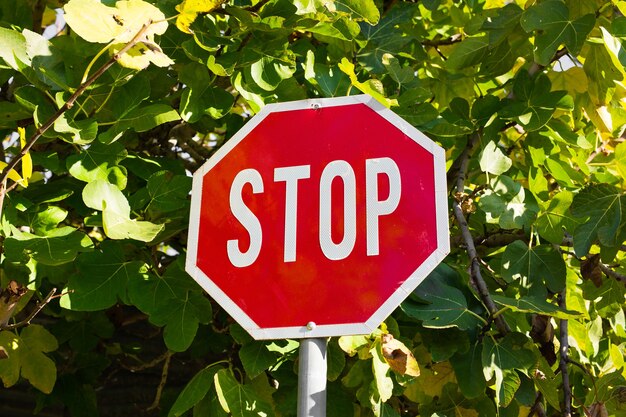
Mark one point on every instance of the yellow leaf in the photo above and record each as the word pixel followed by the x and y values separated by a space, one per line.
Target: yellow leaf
pixel 398 356
pixel 465 412
pixel 27 161
pixel 620 159
pixel 13 175
pixel 96 22
pixel 574 80
pixel 370 87
pixel 141 55
pixel 189 10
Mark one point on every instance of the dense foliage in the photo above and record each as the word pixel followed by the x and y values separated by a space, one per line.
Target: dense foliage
pixel 104 119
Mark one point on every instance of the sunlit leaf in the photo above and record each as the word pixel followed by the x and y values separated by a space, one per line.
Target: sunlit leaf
pixel 190 9
pixel 555 27
pixel 534 266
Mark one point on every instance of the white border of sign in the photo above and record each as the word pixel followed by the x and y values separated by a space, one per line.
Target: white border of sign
pixel 441 203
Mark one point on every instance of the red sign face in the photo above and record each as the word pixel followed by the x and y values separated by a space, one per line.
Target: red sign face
pixel 318 218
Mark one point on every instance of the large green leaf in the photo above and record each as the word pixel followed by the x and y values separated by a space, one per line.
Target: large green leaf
pixel 502 358
pixel 358 9
pixel 99 162
pixel 199 97
pixel 471 51
pixel 533 266
pixel 602 210
pixel 58 246
pixel 101 278
pixel 13 48
pixel 194 391
pixel 237 399
pixel 140 119
pixel 100 195
pixel 493 160
pixel 555 221
pixel 535 305
pixel 444 306
pixel 553 26
pixel 507 204
pixel 27 357
pixel 468 369
pixel 256 358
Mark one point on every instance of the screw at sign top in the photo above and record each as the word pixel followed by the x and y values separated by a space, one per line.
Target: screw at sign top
pixel 316 106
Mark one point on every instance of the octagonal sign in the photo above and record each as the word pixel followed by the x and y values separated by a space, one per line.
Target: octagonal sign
pixel 318 218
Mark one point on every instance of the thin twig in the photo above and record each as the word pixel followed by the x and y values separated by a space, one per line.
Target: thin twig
pixel 610 273
pixel 34 313
pixel 157 397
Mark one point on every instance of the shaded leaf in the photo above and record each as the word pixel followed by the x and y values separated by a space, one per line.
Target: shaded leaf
pixel 194 391
pixel 534 266
pixel 603 208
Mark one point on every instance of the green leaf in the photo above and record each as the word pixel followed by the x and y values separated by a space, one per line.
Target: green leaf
pixel 508 354
pixel 11 112
pixel 555 221
pixel 100 195
pixel 168 193
pixel 199 97
pixel 357 9
pixel 493 160
pixel 468 369
pixel 140 119
pixel 26 357
pixel 101 278
pixel 194 391
pixel 507 204
pixel 554 27
pixel 381 370
pixel 535 305
pixel 38 368
pixel 13 48
pixel 255 358
pixel 471 51
pixel 534 266
pixel 10 366
pixel 602 210
pixel 98 162
pixel 237 399
pixel 57 247
pixel 269 72
pixel 447 307
pixel 79 132
pixel 181 318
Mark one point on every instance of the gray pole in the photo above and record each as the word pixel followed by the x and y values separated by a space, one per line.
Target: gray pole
pixel 312 378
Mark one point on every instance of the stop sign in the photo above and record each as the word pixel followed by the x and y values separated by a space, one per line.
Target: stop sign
pixel 318 218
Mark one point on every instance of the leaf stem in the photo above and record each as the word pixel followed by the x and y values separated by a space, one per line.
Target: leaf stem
pixel 93 61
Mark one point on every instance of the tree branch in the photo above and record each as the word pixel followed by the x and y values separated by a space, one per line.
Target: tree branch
pixel 564 360
pixel 475 274
pixel 157 397
pixel 33 313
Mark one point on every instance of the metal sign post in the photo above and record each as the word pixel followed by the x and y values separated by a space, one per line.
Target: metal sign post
pixel 312 374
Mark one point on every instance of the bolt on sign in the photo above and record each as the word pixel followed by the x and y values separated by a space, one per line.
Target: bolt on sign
pixel 318 218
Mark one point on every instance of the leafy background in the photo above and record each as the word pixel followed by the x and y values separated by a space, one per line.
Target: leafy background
pixel 105 117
